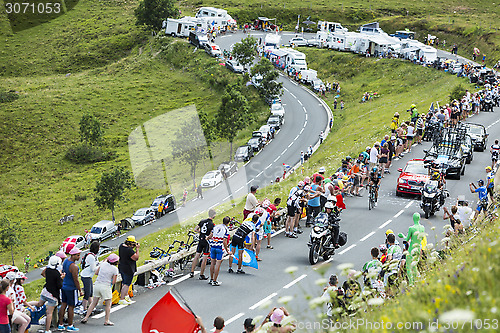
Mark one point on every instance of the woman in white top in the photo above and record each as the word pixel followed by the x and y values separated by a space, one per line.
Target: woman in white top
pixel 89 266
pixel 106 278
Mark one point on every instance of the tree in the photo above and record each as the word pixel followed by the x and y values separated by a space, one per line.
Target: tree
pixel 190 145
pixel 245 51
pixel 457 93
pixel 9 235
pixel 269 88
pixel 231 115
pixel 151 13
pixel 90 130
pixel 209 130
pixel 111 188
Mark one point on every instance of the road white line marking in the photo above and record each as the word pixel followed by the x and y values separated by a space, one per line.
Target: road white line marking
pixel 349 248
pixel 291 94
pixel 296 137
pixel 277 158
pixel 251 180
pixel 284 151
pixel 399 213
pixel 238 316
pixel 113 309
pixel 306 118
pixel 278 232
pixel 295 281
pixel 409 204
pixel 258 152
pixel 260 173
pixel 267 167
pixel 305 111
pixel 239 189
pixel 179 280
pixel 285 89
pixel 217 185
pixel 291 143
pixel 305 124
pixel 385 223
pixel 226 198
pixel 367 236
pixel 214 205
pixel 302 130
pixel 299 102
pixel 246 163
pixel 262 301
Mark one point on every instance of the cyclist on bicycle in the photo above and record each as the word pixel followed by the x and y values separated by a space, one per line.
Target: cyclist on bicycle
pixel 375 177
pixel 495 152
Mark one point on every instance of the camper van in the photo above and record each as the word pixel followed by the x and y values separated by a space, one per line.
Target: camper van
pixel 308 76
pixel 296 60
pixel 326 26
pixel 271 42
pixel 215 16
pixel 181 27
pixel 278 57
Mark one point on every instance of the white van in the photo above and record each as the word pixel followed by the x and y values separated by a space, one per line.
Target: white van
pixel 102 230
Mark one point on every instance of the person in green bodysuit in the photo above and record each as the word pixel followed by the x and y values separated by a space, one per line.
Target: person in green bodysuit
pixel 416 234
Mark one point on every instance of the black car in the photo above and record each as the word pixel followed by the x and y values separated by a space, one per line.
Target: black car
pixel 243 153
pixel 228 167
pixel 168 202
pixel 478 135
pixel 468 149
pixel 452 161
pixel 256 143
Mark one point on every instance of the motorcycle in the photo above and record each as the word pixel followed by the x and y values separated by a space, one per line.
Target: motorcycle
pixel 432 198
pixel 488 104
pixel 320 238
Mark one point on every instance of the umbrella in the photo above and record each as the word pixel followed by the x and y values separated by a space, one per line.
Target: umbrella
pixel 476 51
pixel 308 22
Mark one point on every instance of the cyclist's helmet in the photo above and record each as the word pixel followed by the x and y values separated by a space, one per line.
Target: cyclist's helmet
pixel 435 175
pixel 480 182
pixel 259 211
pixel 375 169
pixel 382 247
pixel 488 168
pixel 348 158
pixel 307 188
pixel 329 204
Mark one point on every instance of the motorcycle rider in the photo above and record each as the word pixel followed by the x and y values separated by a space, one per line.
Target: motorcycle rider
pixel 495 152
pixel 333 223
pixel 375 177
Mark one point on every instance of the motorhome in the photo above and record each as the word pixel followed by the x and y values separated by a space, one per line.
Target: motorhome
pixel 277 57
pixel 342 41
pixel 215 16
pixel 326 26
pixel 183 26
pixel 271 42
pixel 296 60
pixel 308 76
pixel 411 48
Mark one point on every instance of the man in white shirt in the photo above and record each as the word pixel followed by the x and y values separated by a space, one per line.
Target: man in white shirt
pixel 374 155
pixel 251 202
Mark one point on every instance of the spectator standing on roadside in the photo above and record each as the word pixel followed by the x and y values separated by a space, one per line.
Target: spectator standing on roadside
pixel 89 266
pixel 27 261
pixel 199 191
pixel 314 204
pixel 184 197
pixel 129 254
pixel 384 155
pixel 218 325
pixel 50 295
pixel 293 208
pixel 218 239
pixel 420 125
pixel 251 202
pixel 205 228
pixel 410 134
pixel 395 122
pixel 392 151
pixel 335 104
pixel 6 307
pixel 70 290
pixel 107 274
pixel 374 155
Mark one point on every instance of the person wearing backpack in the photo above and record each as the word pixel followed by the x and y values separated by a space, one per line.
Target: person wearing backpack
pixel 89 266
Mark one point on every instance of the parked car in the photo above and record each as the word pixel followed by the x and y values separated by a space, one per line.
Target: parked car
pixel 274 121
pixel 318 85
pixel 4 269
pixel 265 130
pixel 229 168
pixel 243 153
pixel 234 66
pixel 255 143
pixel 412 177
pixel 256 79
pixel 313 42
pixel 198 40
pixel 278 109
pixel 102 230
pixel 168 201
pixel 143 216
pixel 103 249
pixel 298 41
pixel 478 135
pixel 213 50
pixel 468 149
pixel 211 178
pixel 70 242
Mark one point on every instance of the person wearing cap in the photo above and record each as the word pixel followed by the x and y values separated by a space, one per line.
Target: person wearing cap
pixel 21 300
pixel 490 181
pixel 420 126
pixel 394 122
pixel 374 155
pixel 27 261
pixel 365 155
pixel 251 202
pixel 107 274
pixel 483 196
pixel 50 295
pixel 247 228
pixel 129 254
pixel 70 289
pixel 18 317
pixel 276 316
pixel 333 294
pixel 204 227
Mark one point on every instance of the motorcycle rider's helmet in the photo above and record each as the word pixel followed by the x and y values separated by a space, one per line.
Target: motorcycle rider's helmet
pixel 480 182
pixel 435 175
pixel 488 168
pixel 329 204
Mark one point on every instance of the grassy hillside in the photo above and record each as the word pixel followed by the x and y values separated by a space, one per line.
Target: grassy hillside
pixel 469 23
pixel 107 71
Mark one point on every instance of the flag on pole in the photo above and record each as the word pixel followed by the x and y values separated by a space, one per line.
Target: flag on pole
pixel 249 258
pixel 170 314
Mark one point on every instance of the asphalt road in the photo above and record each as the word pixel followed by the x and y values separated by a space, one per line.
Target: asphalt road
pixel 240 296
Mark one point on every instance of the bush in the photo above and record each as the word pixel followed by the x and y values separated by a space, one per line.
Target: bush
pixel 80 197
pixel 457 93
pixel 83 154
pixel 8 96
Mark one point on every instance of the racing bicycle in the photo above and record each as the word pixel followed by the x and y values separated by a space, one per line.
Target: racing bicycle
pixel 372 196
